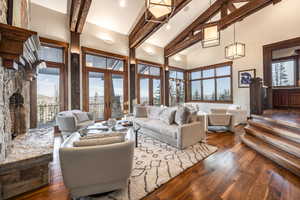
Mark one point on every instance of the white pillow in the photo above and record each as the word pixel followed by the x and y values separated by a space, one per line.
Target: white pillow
pixel 140 111
pixel 102 135
pixel 101 141
pixel 234 107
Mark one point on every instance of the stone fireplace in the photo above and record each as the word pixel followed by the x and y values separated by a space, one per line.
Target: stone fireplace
pixel 14 107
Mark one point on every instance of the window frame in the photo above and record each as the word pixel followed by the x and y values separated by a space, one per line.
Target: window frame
pixel 296 69
pixel 215 77
pixel 63 80
pixel 150 77
pixel 107 73
pixel 184 80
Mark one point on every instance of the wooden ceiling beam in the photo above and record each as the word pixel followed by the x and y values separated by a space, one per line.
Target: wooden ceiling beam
pixel 85 6
pixel 231 7
pixel 242 12
pixel 240 1
pixel 205 16
pixel 183 45
pixel 143 29
pixel 74 14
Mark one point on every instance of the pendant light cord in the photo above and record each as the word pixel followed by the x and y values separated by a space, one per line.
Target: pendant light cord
pixel 210 6
pixel 234 33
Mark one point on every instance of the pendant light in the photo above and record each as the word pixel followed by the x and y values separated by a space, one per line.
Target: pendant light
pixel 161 10
pixel 235 50
pixel 210 34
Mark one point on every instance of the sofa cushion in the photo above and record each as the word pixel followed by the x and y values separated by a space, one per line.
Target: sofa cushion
pixel 168 115
pixel 140 111
pixel 181 116
pixel 153 112
pixel 218 111
pixel 159 127
pixel 101 141
pixel 234 107
pixel 81 116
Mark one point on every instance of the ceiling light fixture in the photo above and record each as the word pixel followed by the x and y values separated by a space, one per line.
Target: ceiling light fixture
pixel 235 50
pixel 149 50
pixel 106 38
pixel 168 27
pixel 210 34
pixel 161 10
pixel 177 58
pixel 122 3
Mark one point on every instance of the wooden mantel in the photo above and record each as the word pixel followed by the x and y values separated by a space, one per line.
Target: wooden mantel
pixel 12 43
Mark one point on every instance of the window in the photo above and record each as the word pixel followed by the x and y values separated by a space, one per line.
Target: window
pixel 103 62
pixel 284 72
pixel 149 83
pixel 51 83
pixel 176 87
pixel 211 83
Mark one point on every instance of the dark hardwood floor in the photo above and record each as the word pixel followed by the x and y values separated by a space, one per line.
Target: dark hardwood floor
pixel 235 172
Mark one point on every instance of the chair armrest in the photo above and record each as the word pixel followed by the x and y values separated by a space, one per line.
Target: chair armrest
pixel 191 133
pixel 91 116
pixel 83 166
pixel 240 116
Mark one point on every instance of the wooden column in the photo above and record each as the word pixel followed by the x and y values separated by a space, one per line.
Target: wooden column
pixel 75 70
pixel 256 96
pixel 33 104
pixel 132 79
pixel 166 81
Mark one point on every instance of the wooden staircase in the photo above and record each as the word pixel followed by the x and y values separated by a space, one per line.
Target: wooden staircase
pixel 277 140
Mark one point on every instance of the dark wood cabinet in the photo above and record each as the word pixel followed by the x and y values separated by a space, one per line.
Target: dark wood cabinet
pixel 286 98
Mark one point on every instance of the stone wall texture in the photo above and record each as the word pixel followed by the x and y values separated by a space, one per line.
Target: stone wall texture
pixel 3 11
pixel 10 82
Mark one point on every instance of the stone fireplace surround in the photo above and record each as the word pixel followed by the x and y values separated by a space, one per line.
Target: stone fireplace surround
pixel 11 82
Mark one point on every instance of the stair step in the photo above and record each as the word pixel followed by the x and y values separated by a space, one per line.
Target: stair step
pixel 275 129
pixel 277 141
pixel 282 158
pixel 282 123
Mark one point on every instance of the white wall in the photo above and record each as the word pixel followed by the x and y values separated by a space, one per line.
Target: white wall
pixel 269 25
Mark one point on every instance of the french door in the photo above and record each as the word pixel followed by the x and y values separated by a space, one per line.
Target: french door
pixel 149 90
pixel 105 94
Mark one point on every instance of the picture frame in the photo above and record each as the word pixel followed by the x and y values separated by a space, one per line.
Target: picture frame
pixel 245 76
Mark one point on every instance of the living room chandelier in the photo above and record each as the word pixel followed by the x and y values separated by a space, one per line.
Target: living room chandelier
pixel 236 49
pixel 161 10
pixel 210 34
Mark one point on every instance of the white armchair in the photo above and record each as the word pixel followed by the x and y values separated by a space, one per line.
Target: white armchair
pixel 95 169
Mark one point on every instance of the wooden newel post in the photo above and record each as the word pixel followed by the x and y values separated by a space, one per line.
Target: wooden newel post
pixel 257 95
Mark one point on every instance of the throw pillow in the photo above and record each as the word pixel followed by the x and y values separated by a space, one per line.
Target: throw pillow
pixel 168 115
pixel 140 111
pixel 154 112
pixel 181 116
pixel 101 141
pixel 81 116
pixel 102 135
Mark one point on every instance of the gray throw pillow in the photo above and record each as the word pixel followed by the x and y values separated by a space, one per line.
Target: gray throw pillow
pixel 154 112
pixel 181 116
pixel 140 111
pixel 81 116
pixel 168 115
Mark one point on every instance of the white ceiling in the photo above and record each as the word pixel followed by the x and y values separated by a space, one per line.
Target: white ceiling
pixel 110 15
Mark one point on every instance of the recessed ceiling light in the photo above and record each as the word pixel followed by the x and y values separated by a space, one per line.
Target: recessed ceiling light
pixel 106 38
pixel 122 3
pixel 168 27
pixel 177 58
pixel 187 8
pixel 149 50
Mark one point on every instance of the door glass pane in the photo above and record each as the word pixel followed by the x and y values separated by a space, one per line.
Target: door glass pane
pixel 283 73
pixel 156 92
pixel 117 96
pixel 181 92
pixel 144 91
pixel 96 94
pixel 180 75
pixel 223 71
pixel 95 61
pixel 208 73
pixel 196 90
pixel 172 92
pixel 224 89
pixel 172 74
pixel 47 96
pixel 209 89
pixel 51 54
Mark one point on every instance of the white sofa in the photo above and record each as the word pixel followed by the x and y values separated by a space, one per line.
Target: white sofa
pixel 179 136
pixel 95 169
pixel 239 116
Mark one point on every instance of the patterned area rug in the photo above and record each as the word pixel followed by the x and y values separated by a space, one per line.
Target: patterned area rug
pixel 155 163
